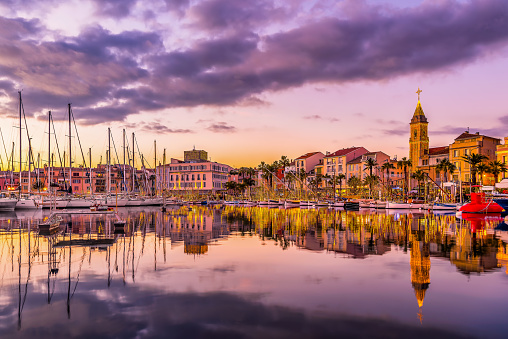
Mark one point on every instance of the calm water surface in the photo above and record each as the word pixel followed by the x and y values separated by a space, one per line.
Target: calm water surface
pixel 254 272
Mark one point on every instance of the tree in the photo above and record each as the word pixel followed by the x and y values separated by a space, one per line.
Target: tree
pixel 231 186
pixel 340 177
pixel 474 160
pixel 419 176
pixel 387 166
pixel 404 163
pixel 283 163
pixel 481 169
pixel 370 164
pixel 248 183
pixel 371 180
pixel 354 183
pixel 445 166
pixel 38 185
pixel 497 167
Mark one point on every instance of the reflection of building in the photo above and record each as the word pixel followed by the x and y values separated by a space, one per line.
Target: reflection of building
pixel 195 229
pixel 194 174
pixel 420 259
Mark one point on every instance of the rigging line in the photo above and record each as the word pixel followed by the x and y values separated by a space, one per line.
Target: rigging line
pixel 114 147
pixel 57 147
pixel 5 149
pixel 79 141
pixel 79 271
pixel 30 154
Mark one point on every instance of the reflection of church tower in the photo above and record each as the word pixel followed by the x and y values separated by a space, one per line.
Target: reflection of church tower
pixel 419 138
pixel 420 260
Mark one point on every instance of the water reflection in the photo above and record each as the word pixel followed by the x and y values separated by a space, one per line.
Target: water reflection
pixel 89 260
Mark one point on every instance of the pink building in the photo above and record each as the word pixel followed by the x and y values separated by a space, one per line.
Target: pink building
pixel 357 167
pixel 308 161
pixel 201 176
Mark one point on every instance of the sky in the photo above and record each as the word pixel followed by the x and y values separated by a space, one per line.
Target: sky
pixel 250 81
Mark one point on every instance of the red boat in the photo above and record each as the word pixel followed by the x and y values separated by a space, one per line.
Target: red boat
pixel 478 204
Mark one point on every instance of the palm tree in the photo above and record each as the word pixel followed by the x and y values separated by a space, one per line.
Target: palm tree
pixel 474 160
pixel 496 168
pixel 249 182
pixel 387 166
pixel 231 186
pixel 481 169
pixel 445 166
pixel 371 180
pixel 340 177
pixel 370 164
pixel 419 176
pixel 354 183
pixel 284 162
pixel 404 163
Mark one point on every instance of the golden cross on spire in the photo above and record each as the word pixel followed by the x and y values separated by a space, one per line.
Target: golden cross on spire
pixel 418 92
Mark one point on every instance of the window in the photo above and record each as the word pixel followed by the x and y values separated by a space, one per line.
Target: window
pixel 76 181
pixel 204 183
pixel 193 177
pixel 466 152
pixel 199 176
pixel 75 174
pixel 171 178
pixel 177 178
pixel 204 176
pixel 187 177
pixel 456 153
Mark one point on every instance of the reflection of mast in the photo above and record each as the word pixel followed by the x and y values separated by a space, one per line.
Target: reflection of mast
pixel 52 265
pixel 69 287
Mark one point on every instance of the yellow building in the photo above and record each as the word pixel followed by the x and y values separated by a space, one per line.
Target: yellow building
pixel 502 154
pixel 466 144
pixel 419 138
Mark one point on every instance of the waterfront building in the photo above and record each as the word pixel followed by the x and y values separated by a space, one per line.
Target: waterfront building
pixel 419 137
pixel 466 144
pixel 336 163
pixel 193 175
pixel 195 156
pixel 502 155
pixel 357 167
pixel 308 161
pixel 8 181
pixel 428 162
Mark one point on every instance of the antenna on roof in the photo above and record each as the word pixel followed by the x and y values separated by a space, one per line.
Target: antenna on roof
pixel 468 130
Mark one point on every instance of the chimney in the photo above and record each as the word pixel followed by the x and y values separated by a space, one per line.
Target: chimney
pixel 477 133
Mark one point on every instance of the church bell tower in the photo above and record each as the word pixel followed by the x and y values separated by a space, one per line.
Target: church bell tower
pixel 419 138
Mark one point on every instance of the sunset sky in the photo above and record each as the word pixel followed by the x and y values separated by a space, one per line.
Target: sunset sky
pixel 249 81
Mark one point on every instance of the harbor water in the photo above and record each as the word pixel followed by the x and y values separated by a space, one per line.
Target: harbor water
pixel 250 272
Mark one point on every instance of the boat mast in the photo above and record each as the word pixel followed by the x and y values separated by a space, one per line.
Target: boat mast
pixel 20 158
pixel 49 150
pixel 109 161
pixel 163 190
pixel 90 174
pixel 70 151
pixel 29 164
pixel 155 164
pixel 133 164
pixel 38 171
pixel 123 172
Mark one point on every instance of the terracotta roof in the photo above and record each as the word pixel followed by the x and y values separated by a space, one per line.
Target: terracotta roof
pixel 356 160
pixel 439 150
pixel 467 135
pixel 342 152
pixel 307 155
pixel 418 116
